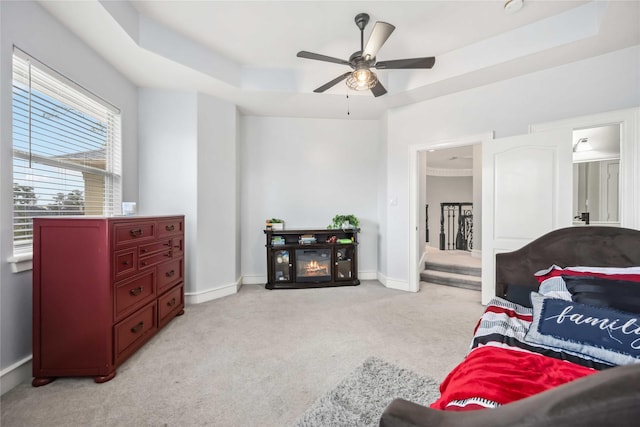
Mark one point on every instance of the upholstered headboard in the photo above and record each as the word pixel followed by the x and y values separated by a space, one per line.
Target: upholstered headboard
pixel 571 246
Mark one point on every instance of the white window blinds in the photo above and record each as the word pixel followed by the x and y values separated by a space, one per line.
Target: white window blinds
pixel 66 149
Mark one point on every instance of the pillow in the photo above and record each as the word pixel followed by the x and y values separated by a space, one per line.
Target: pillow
pixel 619 294
pixel 552 283
pixel 505 325
pixel 555 287
pixel 621 273
pixel 608 335
pixel 519 294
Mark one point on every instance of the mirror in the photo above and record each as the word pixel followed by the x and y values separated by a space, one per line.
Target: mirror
pixel 596 175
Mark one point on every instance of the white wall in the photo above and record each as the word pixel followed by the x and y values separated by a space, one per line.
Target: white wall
pixel 603 83
pixel 168 152
pixel 188 166
pixel 383 199
pixel 305 171
pixel 218 226
pixel 29 27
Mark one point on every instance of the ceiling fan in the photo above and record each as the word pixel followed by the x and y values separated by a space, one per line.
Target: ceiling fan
pixel 362 61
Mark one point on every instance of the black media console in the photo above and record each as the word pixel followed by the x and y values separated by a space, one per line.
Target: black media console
pixel 299 259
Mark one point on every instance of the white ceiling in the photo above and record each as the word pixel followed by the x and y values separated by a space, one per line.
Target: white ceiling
pixel 245 51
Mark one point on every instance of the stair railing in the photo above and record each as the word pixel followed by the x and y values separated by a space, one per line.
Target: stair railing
pixel 456 226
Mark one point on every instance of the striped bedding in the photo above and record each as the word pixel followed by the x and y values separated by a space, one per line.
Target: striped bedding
pixel 501 367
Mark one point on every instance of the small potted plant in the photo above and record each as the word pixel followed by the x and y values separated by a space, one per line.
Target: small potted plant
pixel 344 222
pixel 275 224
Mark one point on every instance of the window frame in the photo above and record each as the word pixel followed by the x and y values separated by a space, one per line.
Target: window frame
pixel 73 98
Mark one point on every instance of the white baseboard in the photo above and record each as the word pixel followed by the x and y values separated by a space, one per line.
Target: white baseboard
pixel 254 279
pixel 211 294
pixel 368 275
pixel 401 285
pixel 15 374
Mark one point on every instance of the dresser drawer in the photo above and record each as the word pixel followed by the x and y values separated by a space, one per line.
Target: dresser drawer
pixel 125 263
pixel 150 248
pixel 134 232
pixel 134 293
pixel 154 259
pixel 170 273
pixel 134 329
pixel 170 304
pixel 170 227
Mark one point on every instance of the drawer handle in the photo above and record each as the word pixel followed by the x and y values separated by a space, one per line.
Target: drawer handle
pixel 177 246
pixel 172 302
pixel 169 227
pixel 136 291
pixel 137 328
pixel 136 233
pixel 168 254
pixel 170 273
pixel 125 262
pixel 143 250
pixel 143 263
pixel 167 244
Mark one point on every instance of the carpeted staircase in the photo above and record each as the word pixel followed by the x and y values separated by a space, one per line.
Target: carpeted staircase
pixel 457 275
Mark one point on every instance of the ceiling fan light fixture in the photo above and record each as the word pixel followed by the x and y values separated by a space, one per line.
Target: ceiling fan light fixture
pixel 362 79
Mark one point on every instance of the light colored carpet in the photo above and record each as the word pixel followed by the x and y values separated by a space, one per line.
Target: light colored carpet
pixel 360 399
pixel 259 357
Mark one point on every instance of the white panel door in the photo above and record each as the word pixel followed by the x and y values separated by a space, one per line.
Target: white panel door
pixel 526 192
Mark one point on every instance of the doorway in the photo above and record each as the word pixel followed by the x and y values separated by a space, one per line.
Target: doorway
pixel 418 156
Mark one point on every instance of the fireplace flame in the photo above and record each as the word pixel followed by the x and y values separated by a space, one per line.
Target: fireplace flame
pixel 314 268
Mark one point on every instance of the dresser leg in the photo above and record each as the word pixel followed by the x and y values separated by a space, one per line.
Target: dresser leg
pixel 180 313
pixel 40 381
pixel 104 378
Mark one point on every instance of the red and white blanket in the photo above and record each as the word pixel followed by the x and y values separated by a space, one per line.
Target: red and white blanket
pixel 501 367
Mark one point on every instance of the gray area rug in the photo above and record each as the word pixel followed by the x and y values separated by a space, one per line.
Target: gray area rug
pixel 360 399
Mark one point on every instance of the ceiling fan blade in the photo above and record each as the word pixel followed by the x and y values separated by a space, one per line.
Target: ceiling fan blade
pixel 380 33
pixel 332 83
pixel 378 90
pixel 426 62
pixel 318 57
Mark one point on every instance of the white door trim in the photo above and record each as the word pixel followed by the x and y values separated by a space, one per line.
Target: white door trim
pixel 414 150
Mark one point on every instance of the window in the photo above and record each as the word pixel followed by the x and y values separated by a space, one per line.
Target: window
pixel 66 149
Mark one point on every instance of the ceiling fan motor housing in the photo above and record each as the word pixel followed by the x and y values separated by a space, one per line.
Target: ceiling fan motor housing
pixel 357 61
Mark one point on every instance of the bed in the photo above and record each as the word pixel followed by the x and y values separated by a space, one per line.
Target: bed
pixel 559 344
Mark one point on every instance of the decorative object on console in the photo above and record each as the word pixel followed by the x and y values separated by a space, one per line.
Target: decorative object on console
pixel 102 287
pixel 129 208
pixel 344 222
pixel 275 224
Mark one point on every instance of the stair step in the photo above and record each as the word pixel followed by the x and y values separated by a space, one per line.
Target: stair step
pixel 455 269
pixel 451 279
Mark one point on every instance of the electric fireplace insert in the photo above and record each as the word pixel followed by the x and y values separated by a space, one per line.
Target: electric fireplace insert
pixel 313 265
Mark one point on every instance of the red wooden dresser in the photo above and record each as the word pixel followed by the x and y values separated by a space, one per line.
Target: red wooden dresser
pixel 102 287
